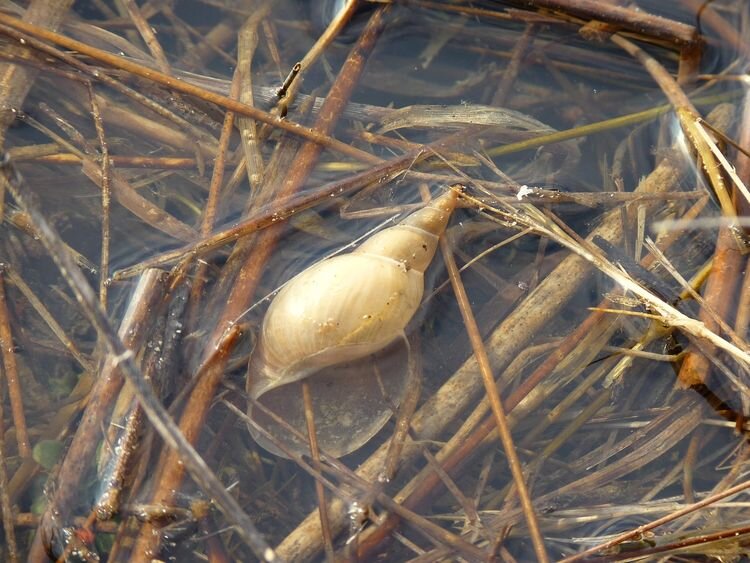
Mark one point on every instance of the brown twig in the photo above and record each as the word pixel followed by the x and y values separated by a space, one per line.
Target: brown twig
pixel 6 507
pixel 630 19
pixel 312 438
pixel 106 198
pixel 8 351
pixel 81 451
pixel 313 135
pixel 495 402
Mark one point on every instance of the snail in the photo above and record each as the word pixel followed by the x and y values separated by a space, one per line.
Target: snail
pixel 327 324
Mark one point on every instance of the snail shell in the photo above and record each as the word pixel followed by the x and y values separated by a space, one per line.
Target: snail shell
pixel 332 316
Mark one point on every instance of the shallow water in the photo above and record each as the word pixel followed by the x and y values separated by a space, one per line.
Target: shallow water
pixel 477 86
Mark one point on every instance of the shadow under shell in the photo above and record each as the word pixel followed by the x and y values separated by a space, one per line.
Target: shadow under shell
pixel 351 403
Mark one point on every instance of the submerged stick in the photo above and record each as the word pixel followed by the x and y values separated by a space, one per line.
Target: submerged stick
pixel 123 358
pixel 181 86
pixel 8 352
pixel 495 402
pixel 6 507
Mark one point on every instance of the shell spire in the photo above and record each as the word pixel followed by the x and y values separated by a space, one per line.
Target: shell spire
pixel 414 240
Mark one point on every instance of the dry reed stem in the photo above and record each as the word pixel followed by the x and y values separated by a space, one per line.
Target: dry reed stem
pixel 8 351
pixel 183 87
pixel 495 402
pixel 196 409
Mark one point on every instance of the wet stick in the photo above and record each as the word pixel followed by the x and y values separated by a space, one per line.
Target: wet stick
pixel 80 453
pixel 123 358
pixel 16 80
pixel 11 375
pixel 314 135
pixel 495 402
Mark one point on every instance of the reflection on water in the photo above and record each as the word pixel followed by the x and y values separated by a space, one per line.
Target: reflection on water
pixel 625 394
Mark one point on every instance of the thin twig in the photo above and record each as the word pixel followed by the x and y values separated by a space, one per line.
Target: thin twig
pixel 6 507
pixel 640 530
pixel 106 197
pixel 312 438
pixel 185 88
pixel 497 408
pixel 44 313
pixel 8 351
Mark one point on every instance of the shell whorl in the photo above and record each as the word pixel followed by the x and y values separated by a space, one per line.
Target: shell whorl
pixel 350 306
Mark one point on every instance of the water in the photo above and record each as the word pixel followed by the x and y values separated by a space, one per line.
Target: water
pixel 607 437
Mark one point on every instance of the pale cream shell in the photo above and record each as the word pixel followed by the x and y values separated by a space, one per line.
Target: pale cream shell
pixel 330 318
pixel 385 298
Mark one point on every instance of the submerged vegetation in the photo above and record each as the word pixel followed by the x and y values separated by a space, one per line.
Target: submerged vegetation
pixel 575 382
